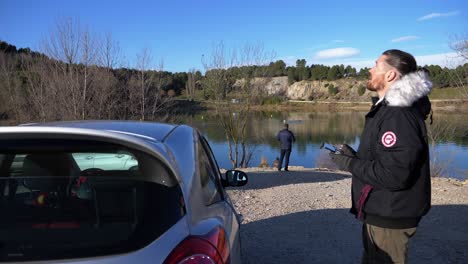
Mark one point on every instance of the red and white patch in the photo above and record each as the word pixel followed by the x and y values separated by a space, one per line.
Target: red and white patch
pixel 389 139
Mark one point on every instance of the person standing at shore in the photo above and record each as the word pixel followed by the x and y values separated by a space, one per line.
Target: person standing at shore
pixel 286 138
pixel 391 185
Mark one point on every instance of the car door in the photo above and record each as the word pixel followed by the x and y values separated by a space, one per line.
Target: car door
pixel 232 222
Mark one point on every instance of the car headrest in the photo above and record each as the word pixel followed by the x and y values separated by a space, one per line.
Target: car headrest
pixel 46 165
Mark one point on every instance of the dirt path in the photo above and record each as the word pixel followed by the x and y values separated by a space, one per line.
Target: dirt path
pixel 302 217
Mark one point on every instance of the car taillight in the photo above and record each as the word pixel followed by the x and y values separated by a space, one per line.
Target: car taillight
pixel 211 248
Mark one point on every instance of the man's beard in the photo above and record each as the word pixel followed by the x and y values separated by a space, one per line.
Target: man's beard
pixel 370 86
pixel 374 85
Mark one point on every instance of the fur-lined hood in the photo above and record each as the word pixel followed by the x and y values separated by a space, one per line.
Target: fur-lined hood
pixel 409 89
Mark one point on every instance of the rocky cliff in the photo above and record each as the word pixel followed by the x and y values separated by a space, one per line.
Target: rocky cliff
pixel 346 88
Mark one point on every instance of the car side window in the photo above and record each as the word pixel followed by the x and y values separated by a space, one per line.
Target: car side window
pixel 208 174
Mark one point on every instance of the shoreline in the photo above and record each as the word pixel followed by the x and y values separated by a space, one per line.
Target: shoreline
pixel 442 105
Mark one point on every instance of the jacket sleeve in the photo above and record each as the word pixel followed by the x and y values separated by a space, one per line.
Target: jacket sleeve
pixel 293 137
pixel 398 151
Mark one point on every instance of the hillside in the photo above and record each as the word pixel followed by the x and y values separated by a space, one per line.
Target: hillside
pixel 346 88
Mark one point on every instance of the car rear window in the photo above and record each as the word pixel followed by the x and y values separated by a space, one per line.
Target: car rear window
pixel 67 199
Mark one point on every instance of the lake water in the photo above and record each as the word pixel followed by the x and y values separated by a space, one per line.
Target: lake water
pixel 450 132
pixel 311 129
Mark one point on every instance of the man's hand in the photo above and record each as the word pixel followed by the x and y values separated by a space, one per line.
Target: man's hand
pixel 347 150
pixel 341 160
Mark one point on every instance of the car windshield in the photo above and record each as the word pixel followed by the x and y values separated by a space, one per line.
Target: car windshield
pixel 82 200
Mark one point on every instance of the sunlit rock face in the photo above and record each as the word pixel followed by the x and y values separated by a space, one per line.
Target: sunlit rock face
pixel 308 90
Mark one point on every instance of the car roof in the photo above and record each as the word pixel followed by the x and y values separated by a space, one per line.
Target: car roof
pixel 144 136
pixel 153 130
pixel 170 142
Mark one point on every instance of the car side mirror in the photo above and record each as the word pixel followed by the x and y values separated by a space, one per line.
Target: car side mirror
pixel 236 178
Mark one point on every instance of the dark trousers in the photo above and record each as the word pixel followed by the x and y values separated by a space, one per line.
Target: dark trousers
pixel 385 245
pixel 287 153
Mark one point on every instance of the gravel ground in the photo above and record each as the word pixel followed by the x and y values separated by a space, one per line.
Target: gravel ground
pixel 301 216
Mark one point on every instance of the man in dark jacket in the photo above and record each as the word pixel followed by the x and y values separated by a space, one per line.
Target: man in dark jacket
pixel 391 186
pixel 286 138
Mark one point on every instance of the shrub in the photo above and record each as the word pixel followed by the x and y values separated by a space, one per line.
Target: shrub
pixel 361 89
pixel 326 85
pixel 332 90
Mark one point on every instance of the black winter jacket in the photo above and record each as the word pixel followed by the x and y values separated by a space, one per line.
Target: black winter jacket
pixel 286 138
pixel 393 157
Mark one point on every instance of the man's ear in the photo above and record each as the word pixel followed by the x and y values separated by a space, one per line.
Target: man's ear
pixel 391 76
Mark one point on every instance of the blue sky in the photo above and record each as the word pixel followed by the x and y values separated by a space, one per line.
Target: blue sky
pixel 322 32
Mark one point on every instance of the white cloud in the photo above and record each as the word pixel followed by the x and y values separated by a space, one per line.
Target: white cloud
pixel 338 41
pixel 405 38
pixel 336 53
pixel 435 15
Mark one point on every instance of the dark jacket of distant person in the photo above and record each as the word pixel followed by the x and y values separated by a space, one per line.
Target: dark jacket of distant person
pixel 286 138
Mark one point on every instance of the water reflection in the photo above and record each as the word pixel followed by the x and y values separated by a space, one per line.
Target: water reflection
pixel 313 128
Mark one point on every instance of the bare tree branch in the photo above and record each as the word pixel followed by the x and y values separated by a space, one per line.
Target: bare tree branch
pixel 220 82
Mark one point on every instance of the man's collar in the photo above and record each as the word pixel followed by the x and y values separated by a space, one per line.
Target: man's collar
pixel 380 100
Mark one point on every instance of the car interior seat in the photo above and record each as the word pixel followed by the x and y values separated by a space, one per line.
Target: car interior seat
pixel 48 171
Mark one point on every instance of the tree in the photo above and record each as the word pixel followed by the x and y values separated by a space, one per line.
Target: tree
pixel 341 70
pixel 302 72
pixel 233 117
pixel 333 73
pixel 459 44
pixel 105 97
pixel 10 92
pixel 88 58
pixel 319 72
pixel 7 48
pixel 64 46
pixel 278 68
pixel 140 84
pixel 41 94
pixel 159 80
pixel 190 86
pixel 349 71
pixel 291 75
pixel 363 73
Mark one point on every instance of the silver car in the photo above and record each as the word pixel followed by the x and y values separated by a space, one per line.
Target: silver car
pixel 114 192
